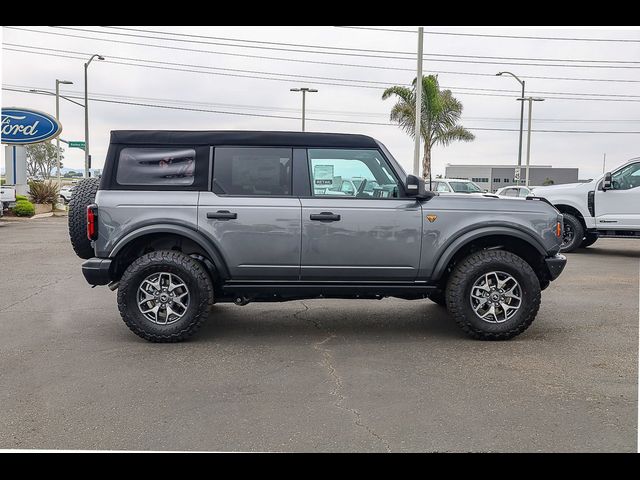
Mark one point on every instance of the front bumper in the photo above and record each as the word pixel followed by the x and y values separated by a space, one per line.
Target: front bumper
pixel 555 265
pixel 97 271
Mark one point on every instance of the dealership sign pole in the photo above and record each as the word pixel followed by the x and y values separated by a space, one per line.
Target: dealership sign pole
pixel 19 127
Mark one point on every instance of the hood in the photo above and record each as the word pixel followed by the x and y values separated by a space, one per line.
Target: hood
pixel 486 203
pixel 537 191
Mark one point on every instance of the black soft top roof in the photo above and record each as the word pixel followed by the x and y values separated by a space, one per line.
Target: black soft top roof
pixel 249 138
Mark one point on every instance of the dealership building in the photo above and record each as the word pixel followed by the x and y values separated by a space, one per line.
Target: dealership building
pixel 493 177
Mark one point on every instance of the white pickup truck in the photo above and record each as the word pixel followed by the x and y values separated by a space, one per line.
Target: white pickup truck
pixel 608 206
pixel 7 197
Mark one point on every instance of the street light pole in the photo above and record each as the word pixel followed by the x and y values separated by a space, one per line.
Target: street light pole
pixel 58 82
pixel 530 100
pixel 416 146
pixel 86 116
pixel 304 91
pixel 521 120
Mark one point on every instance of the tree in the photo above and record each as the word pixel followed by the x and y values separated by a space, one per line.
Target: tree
pixel 440 113
pixel 41 159
pixel 548 181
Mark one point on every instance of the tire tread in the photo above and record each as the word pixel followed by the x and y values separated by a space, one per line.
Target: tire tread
pixel 456 289
pixel 193 267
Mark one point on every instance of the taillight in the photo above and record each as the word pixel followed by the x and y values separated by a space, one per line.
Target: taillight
pixel 92 222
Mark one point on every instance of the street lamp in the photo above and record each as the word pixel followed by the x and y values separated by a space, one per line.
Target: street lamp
pixel 304 91
pixel 530 100
pixel 499 74
pixel 86 115
pixel 57 94
pixel 58 82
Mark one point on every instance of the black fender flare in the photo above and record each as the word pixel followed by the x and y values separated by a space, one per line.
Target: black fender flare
pixel 469 236
pixel 181 230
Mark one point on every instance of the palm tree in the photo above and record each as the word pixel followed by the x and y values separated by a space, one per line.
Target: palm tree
pixel 440 115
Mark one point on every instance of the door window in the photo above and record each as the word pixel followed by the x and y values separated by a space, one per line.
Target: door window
pixel 249 171
pixel 627 177
pixel 351 173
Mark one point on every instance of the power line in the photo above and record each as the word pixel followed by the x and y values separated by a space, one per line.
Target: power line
pixel 334 50
pixel 331 112
pixel 139 104
pixel 573 39
pixel 235 54
pixel 323 80
pixel 361 49
pixel 325 111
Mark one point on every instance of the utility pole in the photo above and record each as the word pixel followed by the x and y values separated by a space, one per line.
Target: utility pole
pixel 604 162
pixel 86 116
pixel 521 82
pixel 530 100
pixel 416 147
pixel 58 82
pixel 304 91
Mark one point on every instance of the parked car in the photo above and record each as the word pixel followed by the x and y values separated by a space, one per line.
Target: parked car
pixel 517 191
pixel 455 185
pixel 608 206
pixel 66 192
pixel 184 219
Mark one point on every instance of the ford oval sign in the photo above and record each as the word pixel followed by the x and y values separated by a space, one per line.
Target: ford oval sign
pixel 21 126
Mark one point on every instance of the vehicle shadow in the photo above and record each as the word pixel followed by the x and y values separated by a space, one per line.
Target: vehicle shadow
pixel 423 319
pixel 610 252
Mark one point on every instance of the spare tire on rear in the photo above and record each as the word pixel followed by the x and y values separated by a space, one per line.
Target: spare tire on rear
pixel 84 194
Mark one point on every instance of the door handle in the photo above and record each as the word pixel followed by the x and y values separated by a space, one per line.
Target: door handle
pixel 325 217
pixel 222 215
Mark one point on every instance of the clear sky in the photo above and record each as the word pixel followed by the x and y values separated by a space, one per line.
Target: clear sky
pixel 350 77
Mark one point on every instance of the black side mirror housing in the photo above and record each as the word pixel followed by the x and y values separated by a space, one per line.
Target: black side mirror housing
pixel 416 188
pixel 607 183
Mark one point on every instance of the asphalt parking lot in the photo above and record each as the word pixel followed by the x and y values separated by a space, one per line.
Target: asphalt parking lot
pixel 320 375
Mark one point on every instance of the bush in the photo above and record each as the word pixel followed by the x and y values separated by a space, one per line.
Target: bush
pixel 24 208
pixel 44 192
pixel 22 197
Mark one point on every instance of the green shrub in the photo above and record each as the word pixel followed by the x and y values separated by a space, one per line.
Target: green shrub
pixel 22 197
pixel 24 208
pixel 44 192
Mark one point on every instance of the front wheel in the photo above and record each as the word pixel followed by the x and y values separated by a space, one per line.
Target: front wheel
pixel 164 296
pixel 493 295
pixel 572 233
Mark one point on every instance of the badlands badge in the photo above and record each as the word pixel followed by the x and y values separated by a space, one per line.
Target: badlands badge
pixel 432 218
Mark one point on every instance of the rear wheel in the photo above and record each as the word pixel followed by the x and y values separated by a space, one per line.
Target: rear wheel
pixel 83 195
pixel 164 296
pixel 572 233
pixel 588 240
pixel 493 295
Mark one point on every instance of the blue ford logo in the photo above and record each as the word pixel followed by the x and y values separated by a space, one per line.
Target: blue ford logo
pixel 22 126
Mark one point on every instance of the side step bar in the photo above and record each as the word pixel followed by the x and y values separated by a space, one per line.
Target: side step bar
pixel 326 288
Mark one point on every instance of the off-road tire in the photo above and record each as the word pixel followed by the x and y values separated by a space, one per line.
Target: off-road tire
pixel 84 194
pixel 190 271
pixel 575 225
pixel 588 240
pixel 468 271
pixel 439 298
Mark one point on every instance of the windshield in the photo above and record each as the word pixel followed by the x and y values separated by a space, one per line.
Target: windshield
pixel 465 187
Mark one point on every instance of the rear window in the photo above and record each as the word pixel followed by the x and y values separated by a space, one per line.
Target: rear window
pixel 252 171
pixel 156 166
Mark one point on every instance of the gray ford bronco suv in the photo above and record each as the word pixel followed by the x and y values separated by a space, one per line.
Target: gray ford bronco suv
pixel 181 220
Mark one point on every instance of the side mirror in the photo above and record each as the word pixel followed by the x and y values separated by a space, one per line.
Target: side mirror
pixel 607 183
pixel 415 187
